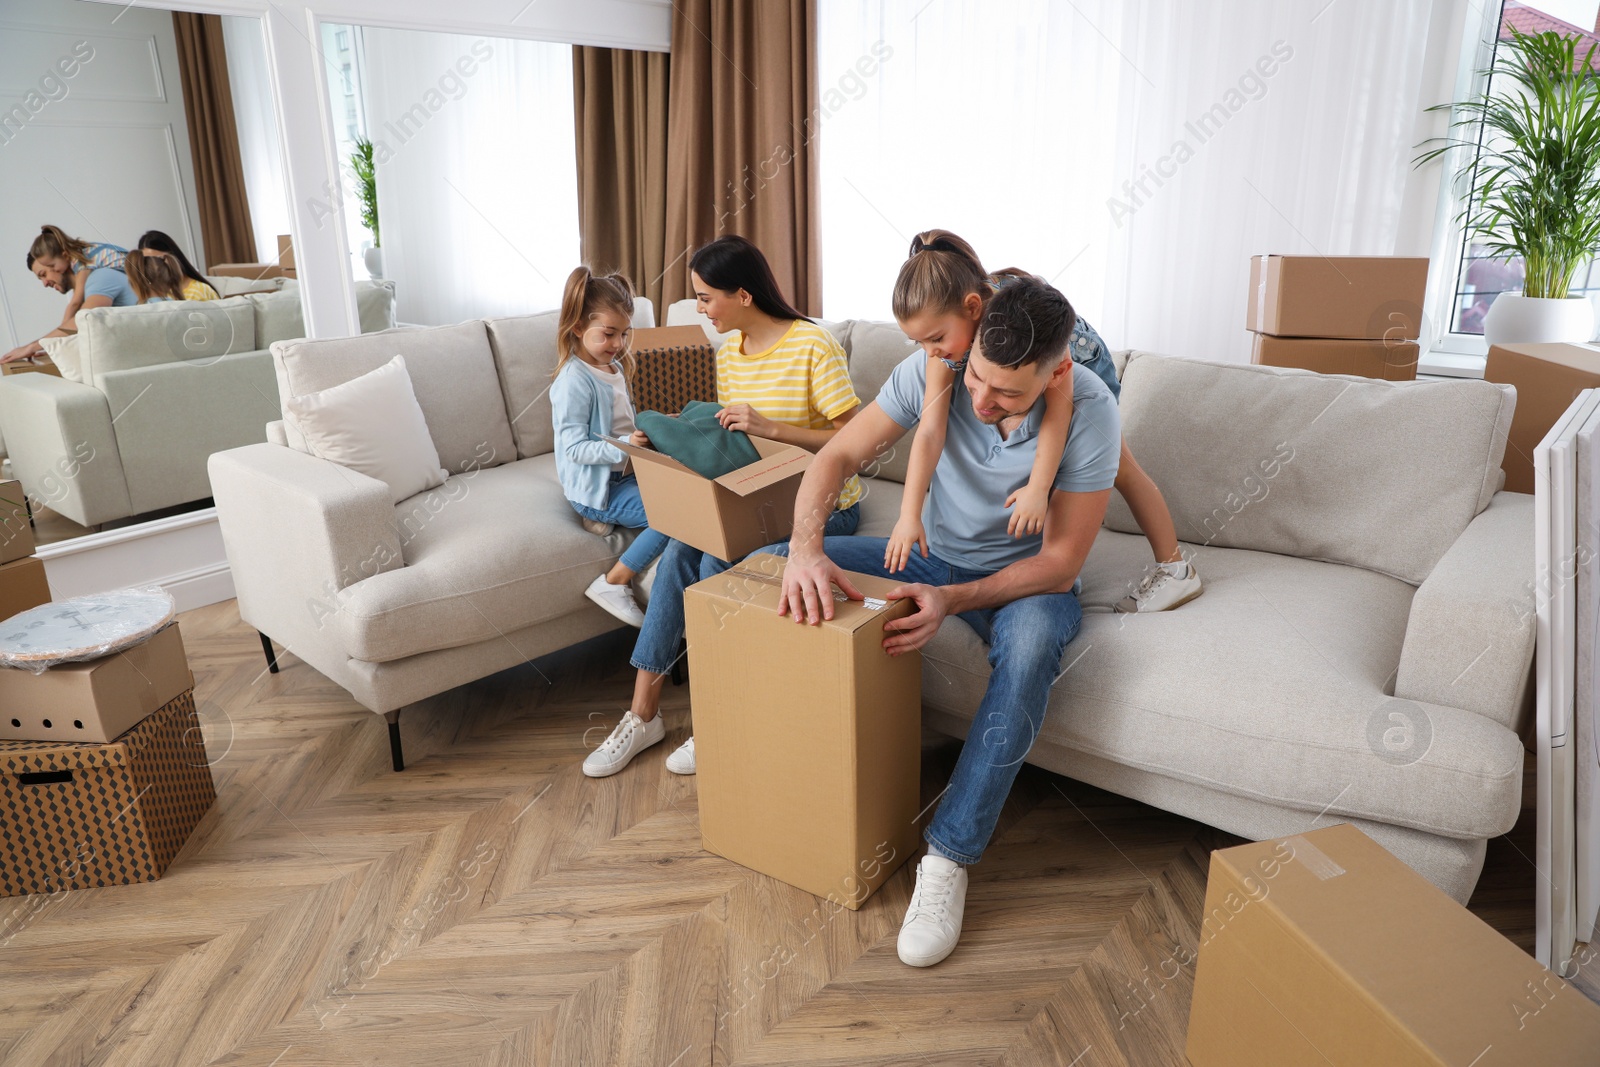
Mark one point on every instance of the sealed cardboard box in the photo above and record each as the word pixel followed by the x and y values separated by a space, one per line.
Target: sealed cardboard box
pixel 1373 297
pixel 1323 948
pixel 674 365
pixel 16 532
pixel 92 815
pixel 1394 361
pixel 97 700
pixel 1548 378
pixel 807 738
pixel 22 586
pixel 731 516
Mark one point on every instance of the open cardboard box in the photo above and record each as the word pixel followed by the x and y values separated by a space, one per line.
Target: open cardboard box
pixel 730 516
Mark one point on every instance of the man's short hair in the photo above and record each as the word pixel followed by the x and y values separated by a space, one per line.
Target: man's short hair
pixel 1026 321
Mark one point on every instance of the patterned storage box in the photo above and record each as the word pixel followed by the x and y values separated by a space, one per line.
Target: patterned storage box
pixel 676 364
pixel 79 815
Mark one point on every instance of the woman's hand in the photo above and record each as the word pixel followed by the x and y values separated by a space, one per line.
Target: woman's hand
pixel 908 535
pixel 27 351
pixel 746 418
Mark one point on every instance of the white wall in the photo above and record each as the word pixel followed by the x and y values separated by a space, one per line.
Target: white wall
pixel 104 154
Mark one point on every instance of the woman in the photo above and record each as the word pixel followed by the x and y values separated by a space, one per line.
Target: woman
pixel 193 285
pixel 779 376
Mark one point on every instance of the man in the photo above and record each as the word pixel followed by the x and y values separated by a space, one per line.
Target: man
pixel 105 287
pixel 1015 592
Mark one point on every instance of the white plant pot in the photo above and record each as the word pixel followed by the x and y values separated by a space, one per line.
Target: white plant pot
pixel 373 258
pixel 1514 318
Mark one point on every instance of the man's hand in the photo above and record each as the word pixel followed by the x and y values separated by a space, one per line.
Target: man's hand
pixel 746 418
pixel 918 628
pixel 808 581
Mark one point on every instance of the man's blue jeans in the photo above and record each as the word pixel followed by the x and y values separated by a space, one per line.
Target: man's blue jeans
pixel 661 636
pixel 1026 641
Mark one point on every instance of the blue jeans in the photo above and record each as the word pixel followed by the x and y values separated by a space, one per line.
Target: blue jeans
pixel 661 636
pixel 624 507
pixel 1026 641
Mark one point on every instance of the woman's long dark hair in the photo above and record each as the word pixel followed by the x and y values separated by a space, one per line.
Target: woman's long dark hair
pixel 157 241
pixel 731 263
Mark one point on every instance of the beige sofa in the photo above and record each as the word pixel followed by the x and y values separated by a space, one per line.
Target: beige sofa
pixel 158 389
pixel 1361 653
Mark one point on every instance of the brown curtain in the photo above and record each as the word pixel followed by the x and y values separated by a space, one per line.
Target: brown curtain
pixel 213 140
pixel 740 155
pixel 620 98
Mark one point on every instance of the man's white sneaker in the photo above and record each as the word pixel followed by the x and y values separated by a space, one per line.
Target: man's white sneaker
pixel 682 759
pixel 1162 590
pixel 632 736
pixel 933 921
pixel 616 599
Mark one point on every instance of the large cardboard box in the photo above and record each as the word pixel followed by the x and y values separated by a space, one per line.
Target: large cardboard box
pixel 91 815
pixel 807 738
pixel 1323 948
pixel 673 365
pixel 730 516
pixel 1394 361
pixel 40 364
pixel 97 700
pixel 16 532
pixel 23 585
pixel 1375 297
pixel 1548 378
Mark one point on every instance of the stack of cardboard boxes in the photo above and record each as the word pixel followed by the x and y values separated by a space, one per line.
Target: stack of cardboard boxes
pixel 1338 314
pixel 22 580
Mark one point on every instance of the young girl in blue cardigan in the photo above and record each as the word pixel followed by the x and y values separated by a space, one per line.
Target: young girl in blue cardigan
pixel 589 401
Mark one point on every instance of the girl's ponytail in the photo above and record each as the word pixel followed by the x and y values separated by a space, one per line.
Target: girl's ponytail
pixel 940 270
pixel 585 296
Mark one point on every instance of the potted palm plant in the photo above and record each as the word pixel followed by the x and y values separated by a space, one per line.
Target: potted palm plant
pixel 366 175
pixel 1535 186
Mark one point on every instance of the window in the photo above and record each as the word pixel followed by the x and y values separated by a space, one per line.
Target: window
pixel 1477 277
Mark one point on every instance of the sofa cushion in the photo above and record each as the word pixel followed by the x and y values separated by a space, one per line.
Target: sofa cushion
pixel 1380 475
pixel 1271 685
pixel 525 358
pixel 122 338
pixel 488 553
pixel 876 348
pixel 280 318
pixel 452 371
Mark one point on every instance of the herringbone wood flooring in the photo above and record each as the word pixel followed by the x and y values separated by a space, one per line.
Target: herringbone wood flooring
pixel 490 905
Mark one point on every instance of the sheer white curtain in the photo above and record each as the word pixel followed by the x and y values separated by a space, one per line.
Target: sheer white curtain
pixel 477 184
pixel 1137 152
pixel 259 150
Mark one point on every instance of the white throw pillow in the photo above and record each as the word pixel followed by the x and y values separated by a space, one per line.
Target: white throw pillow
pixel 63 352
pixel 372 424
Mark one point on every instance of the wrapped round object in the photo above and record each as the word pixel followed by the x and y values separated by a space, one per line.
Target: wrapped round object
pixel 83 628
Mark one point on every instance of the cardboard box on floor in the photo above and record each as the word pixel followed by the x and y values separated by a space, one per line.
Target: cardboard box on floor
pixel 1548 378
pixel 807 738
pixel 1374 297
pixel 16 532
pixel 730 516
pixel 1324 948
pixel 92 815
pixel 1394 361
pixel 23 585
pixel 97 700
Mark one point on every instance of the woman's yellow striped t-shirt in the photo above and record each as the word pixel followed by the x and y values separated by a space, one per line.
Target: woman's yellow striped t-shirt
pixel 800 381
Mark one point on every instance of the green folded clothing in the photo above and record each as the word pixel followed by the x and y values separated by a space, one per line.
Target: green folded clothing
pixel 697 440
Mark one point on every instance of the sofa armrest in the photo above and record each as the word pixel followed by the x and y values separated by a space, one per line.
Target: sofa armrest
pixel 298 530
pixel 1469 640
pixel 63 447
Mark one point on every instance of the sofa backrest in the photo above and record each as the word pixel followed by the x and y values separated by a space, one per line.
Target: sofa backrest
pixel 279 316
pixel 876 348
pixel 1379 475
pixel 525 359
pixel 452 370
pixel 172 331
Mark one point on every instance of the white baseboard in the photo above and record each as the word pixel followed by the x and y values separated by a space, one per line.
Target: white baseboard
pixel 182 554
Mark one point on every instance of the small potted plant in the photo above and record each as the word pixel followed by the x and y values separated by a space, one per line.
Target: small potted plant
pixel 367 191
pixel 1535 187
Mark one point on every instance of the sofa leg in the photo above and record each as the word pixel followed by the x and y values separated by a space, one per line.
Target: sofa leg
pixel 272 657
pixel 393 718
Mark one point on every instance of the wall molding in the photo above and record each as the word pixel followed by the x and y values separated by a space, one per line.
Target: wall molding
pixel 182 554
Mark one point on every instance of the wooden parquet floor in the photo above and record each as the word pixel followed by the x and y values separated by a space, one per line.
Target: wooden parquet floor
pixel 492 906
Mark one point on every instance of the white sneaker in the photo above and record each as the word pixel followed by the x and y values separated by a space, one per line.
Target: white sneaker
pixel 1161 590
pixel 682 759
pixel 933 921
pixel 632 736
pixel 616 599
